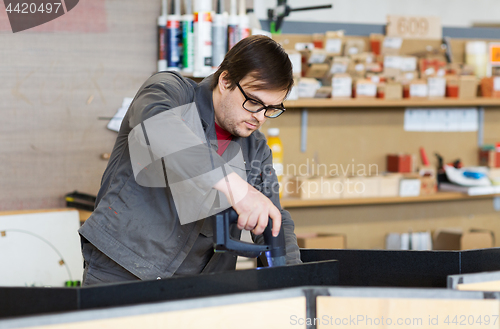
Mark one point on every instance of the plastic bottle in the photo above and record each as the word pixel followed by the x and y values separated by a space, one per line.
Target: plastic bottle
pixel 203 38
pixel 476 54
pixel 188 38
pixel 233 33
pixel 244 21
pixel 162 38
pixel 219 34
pixel 174 37
pixel 274 143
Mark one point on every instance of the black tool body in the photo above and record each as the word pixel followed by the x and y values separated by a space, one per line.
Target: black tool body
pixel 274 247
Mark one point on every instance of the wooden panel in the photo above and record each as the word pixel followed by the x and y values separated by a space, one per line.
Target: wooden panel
pixel 480 286
pixel 405 312
pixel 54 87
pixel 268 314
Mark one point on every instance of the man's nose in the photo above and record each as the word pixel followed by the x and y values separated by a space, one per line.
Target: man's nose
pixel 259 116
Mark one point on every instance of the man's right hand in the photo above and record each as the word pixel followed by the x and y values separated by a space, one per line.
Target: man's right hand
pixel 253 207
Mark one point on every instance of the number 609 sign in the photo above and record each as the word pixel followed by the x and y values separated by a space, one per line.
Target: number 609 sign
pixel 414 27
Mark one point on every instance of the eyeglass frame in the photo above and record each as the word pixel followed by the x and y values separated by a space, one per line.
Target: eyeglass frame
pixel 264 107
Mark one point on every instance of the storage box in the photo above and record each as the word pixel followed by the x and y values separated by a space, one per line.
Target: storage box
pixel 489 158
pixel 318 70
pixel 392 90
pixel 361 187
pixel 409 187
pixel 316 187
pixel 467 87
pixel 366 89
pixel 490 87
pixel 418 89
pixel 402 163
pixel 456 239
pixel 389 185
pixel 428 185
pixel 342 86
pixel 321 241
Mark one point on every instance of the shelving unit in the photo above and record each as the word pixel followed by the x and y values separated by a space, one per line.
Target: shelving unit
pixel 441 196
pixel 377 103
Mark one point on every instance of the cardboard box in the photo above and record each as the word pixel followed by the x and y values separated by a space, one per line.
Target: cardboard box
pixel 317 71
pixel 409 187
pixel 489 158
pixel 307 87
pixel 340 65
pixel 437 87
pixel 315 187
pixel 321 241
pixel 490 87
pixel 361 187
pixel 456 239
pixel 334 42
pixel 389 185
pixel 418 89
pixel 414 27
pixel 342 86
pixel 366 89
pixel 428 185
pixel 467 87
pixel 324 92
pixel 354 46
pixel 296 60
pixel 393 90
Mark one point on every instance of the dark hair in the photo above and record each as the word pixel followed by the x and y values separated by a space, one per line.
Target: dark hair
pixel 260 57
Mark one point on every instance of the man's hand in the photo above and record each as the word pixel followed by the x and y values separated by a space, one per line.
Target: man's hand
pixel 253 207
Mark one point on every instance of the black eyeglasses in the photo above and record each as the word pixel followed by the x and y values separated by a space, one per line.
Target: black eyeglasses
pixel 254 106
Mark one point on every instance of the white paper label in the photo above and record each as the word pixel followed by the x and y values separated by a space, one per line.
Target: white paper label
pixel 408 64
pixel 430 71
pixel 375 79
pixel 317 58
pixel 333 46
pixel 353 51
pixel 394 43
pixel 409 187
pixel 496 83
pixel 366 89
pixel 437 87
pixel 342 87
pixel 296 60
pixel 418 90
pixel 441 73
pixel 392 62
pixel 338 68
pixel 410 76
pixel 303 46
pixel 359 67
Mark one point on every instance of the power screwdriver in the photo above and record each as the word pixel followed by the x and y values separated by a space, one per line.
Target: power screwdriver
pixel 274 247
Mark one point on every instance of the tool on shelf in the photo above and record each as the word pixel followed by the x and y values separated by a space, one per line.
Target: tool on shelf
pixel 274 247
pixel 278 14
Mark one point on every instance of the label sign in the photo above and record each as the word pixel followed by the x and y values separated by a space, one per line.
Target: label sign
pixel 495 54
pixel 414 27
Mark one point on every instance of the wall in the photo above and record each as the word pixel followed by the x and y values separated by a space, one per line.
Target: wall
pixel 459 13
pixel 56 81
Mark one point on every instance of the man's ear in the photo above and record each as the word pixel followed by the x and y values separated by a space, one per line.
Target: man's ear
pixel 223 82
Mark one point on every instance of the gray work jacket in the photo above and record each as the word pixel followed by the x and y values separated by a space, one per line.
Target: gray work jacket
pixel 138 227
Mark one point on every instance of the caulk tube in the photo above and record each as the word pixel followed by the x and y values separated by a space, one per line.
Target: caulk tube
pixel 232 28
pixel 162 38
pixel 203 38
pixel 174 33
pixel 188 38
pixel 219 35
pixel 244 21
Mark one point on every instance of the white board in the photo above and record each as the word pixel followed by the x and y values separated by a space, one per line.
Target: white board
pixel 40 249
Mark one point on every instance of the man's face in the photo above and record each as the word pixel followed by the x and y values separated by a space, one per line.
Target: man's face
pixel 232 117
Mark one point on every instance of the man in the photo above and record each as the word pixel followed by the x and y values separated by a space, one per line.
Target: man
pixel 150 226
